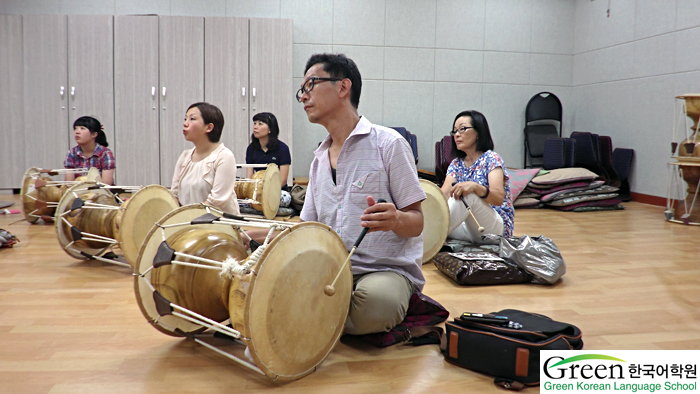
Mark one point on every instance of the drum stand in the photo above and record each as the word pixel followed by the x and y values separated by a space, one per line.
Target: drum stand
pixel 684 171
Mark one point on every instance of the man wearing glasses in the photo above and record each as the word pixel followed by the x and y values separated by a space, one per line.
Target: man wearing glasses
pixel 357 164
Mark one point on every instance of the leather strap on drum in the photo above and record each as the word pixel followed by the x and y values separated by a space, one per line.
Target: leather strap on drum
pixel 108 255
pixel 234 217
pixel 162 304
pixel 77 204
pixel 164 256
pixel 76 233
pixel 207 218
pixel 39 183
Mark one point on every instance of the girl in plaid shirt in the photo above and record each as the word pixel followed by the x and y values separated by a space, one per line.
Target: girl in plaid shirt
pixel 91 150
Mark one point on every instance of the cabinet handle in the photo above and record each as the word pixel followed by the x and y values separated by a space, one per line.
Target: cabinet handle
pixel 243 92
pixel 163 91
pixel 62 90
pixel 253 92
pixel 153 91
pixel 72 90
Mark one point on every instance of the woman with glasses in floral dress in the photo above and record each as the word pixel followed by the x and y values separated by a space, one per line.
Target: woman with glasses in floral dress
pixel 477 178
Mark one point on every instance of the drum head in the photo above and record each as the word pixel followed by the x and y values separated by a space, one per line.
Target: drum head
pixel 138 214
pixel 144 261
pixel 272 189
pixel 290 323
pixel 28 204
pixel 436 220
pixel 64 205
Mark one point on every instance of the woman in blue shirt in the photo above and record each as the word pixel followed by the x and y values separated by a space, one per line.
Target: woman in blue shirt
pixel 479 175
pixel 266 148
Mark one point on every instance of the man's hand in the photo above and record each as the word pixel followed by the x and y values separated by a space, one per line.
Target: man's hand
pixel 380 216
pixel 258 235
pixel 405 223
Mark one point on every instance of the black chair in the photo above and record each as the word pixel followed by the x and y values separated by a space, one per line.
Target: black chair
pixel 543 117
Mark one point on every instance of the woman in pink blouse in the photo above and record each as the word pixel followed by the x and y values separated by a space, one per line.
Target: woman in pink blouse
pixel 207 172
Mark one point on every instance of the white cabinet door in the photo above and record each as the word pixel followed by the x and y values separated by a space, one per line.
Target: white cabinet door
pixel 136 129
pixel 12 103
pixel 181 50
pixel 226 79
pixel 91 71
pixel 271 74
pixel 45 90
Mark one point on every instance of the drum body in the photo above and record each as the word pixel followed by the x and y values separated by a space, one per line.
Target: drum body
pixel 184 285
pixel 126 223
pixel 267 195
pixel 279 308
pixel 436 220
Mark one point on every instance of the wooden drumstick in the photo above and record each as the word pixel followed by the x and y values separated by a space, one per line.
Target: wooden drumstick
pixel 481 229
pixel 330 289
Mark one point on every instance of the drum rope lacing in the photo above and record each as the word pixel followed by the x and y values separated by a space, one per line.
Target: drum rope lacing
pixel 230 266
pixel 253 199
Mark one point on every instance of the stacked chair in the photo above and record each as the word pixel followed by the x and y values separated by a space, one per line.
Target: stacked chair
pixel 543 115
pixel 443 157
pixel 622 163
pixel 584 174
pixel 558 153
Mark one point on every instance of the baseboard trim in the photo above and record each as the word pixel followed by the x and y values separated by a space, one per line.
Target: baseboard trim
pixel 647 199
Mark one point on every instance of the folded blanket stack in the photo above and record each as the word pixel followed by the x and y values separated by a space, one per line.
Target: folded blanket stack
pixel 569 189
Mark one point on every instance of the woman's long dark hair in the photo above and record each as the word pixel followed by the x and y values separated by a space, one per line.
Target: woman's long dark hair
pixel 94 126
pixel 272 139
pixel 479 123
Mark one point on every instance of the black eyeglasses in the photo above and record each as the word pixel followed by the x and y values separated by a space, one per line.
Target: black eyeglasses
pixel 308 86
pixel 461 130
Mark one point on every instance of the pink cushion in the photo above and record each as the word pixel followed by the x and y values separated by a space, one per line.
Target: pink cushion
pixel 519 179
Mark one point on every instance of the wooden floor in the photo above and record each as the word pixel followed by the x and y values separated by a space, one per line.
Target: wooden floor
pixel 69 326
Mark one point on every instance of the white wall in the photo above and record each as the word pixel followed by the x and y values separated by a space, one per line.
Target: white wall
pixel 628 68
pixel 422 61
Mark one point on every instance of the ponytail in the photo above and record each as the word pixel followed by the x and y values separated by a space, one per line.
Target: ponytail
pixel 102 138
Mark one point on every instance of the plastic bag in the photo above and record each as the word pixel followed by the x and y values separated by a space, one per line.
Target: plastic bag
pixel 538 256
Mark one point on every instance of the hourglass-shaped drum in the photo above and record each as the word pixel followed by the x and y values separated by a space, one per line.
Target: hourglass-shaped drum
pixel 91 219
pixel 436 220
pixel 193 273
pixel 41 193
pixel 262 191
pixel 682 205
